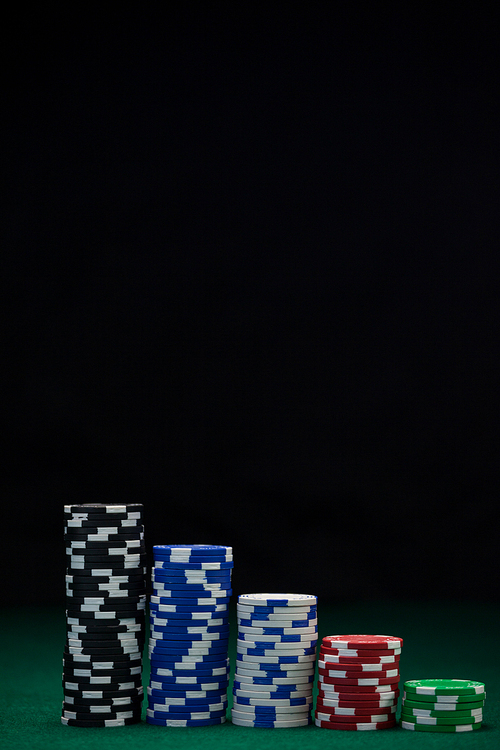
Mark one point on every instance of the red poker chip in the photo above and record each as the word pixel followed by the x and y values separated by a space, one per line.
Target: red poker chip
pixel 358 652
pixel 352 698
pixel 376 717
pixel 365 710
pixel 341 682
pixel 354 726
pixel 344 675
pixel 336 687
pixel 380 642
pixel 355 662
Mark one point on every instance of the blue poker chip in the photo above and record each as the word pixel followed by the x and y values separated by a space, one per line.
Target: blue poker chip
pixel 194 665
pixel 280 638
pixel 187 629
pixel 274 681
pixel 218 645
pixel 275 628
pixel 167 709
pixel 179 703
pixel 162 659
pixel 189 674
pixel 181 716
pixel 188 619
pixel 192 602
pixel 184 609
pixel 290 612
pixel 189 595
pixel 261 723
pixel 178 723
pixel 194 576
pixel 280 660
pixel 205 549
pixel 271 651
pixel 206 683
pixel 206 639
pixel 281 702
pixel 169 565
pixel 191 587
pixel 193 558
pixel 188 691
pixel 283 690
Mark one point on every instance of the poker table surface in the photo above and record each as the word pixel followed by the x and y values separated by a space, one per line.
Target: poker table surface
pixel 440 639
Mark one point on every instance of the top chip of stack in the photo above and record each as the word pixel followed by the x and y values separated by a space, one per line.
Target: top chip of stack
pixel 358 682
pixel 189 635
pixel 275 660
pixel 443 705
pixel 105 600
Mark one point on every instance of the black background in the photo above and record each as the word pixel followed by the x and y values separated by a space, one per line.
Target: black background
pixel 251 280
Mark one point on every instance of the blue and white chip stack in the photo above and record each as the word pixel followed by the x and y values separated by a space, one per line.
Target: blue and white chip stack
pixel 189 635
pixel 276 656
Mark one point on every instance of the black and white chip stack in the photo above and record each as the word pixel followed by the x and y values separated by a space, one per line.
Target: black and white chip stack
pixel 189 634
pixel 275 660
pixel 105 615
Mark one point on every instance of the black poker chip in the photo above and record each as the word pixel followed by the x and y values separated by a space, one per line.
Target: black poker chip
pixel 114 602
pixel 103 636
pixel 99 715
pixel 112 702
pixel 102 694
pixel 109 508
pixel 121 578
pixel 95 663
pixel 128 646
pixel 121 686
pixel 106 518
pixel 136 619
pixel 74 673
pixel 128 543
pixel 102 628
pixel 108 593
pixel 96 530
pixel 100 723
pixel 119 553
pixel 104 574
pixel 74 564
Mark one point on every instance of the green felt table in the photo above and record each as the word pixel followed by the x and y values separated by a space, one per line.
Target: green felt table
pixel 443 639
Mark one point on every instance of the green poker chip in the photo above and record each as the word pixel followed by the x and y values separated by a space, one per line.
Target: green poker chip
pixel 435 721
pixel 416 710
pixel 448 699
pixel 440 728
pixel 444 687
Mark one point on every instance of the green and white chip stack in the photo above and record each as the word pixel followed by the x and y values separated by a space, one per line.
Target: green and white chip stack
pixel 440 705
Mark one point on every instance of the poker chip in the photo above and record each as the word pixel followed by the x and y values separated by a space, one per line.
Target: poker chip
pixel 100 722
pixel 358 719
pixel 441 720
pixel 270 724
pixel 355 726
pixel 444 687
pixel 275 660
pixel 185 723
pixel 363 709
pixel 442 705
pixel 358 682
pixel 425 708
pixel 96 716
pixel 105 616
pixel 355 698
pixel 440 728
pixel 189 634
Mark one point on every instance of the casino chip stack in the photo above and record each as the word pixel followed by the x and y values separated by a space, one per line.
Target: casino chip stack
pixel 189 635
pixel 105 615
pixel 442 705
pixel 358 682
pixel 276 655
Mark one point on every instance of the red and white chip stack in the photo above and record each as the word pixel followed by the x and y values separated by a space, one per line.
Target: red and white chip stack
pixel 358 682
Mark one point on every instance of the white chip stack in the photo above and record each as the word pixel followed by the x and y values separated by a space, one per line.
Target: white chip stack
pixel 276 655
